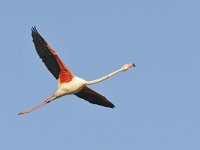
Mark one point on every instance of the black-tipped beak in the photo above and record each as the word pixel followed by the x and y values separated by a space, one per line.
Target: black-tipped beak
pixel 133 64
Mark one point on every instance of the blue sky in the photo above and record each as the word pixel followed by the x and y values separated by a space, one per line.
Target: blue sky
pixel 157 103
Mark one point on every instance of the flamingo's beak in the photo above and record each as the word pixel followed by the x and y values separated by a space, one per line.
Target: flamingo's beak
pixel 133 64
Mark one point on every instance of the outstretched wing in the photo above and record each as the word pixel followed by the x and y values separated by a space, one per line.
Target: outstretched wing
pixel 50 58
pixel 94 97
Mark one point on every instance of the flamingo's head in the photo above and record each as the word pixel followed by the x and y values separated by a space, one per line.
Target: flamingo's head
pixel 127 66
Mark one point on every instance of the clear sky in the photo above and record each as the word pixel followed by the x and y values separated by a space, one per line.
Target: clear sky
pixel 157 103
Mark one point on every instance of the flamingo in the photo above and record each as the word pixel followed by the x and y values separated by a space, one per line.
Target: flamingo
pixel 68 83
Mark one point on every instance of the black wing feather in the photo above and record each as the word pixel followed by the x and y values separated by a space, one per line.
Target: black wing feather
pixel 45 54
pixel 94 97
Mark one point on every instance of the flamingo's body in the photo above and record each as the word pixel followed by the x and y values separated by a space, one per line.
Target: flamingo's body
pixel 68 83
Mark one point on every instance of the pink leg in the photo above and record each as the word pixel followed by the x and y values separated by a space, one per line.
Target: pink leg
pixel 48 100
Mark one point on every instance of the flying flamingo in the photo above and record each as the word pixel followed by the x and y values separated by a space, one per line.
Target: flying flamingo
pixel 68 83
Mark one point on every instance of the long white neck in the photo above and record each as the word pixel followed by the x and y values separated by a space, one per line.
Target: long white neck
pixel 103 78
